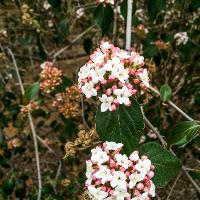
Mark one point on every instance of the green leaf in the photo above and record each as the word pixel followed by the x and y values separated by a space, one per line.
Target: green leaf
pixel 165 92
pixel 88 45
pixel 155 7
pixel 63 27
pixel 184 132
pixel 150 51
pixel 195 175
pixel 55 3
pixel 103 16
pixel 166 164
pixel 32 92
pixel 125 125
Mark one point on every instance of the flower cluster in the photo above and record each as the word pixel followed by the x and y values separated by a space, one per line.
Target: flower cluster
pixel 67 102
pixel 32 106
pixel 50 77
pixel 181 38
pixel 111 175
pixel 141 31
pixel 105 1
pixel 113 75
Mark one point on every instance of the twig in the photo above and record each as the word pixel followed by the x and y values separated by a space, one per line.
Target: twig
pixel 115 21
pixel 31 125
pixel 173 186
pixel 173 105
pixel 72 42
pixel 129 24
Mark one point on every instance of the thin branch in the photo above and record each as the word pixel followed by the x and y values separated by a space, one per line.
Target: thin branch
pixel 129 24
pixel 173 105
pixel 115 21
pixel 72 42
pixel 31 125
pixel 173 186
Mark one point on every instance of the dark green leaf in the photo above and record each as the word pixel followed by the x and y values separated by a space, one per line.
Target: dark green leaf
pixel 165 92
pixel 55 3
pixel 195 175
pixel 166 164
pixel 150 51
pixel 63 27
pixel 155 7
pixel 103 16
pixel 184 132
pixel 88 45
pixel 125 125
pixel 32 92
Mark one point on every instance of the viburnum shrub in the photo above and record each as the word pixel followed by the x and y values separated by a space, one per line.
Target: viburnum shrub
pixel 112 175
pixel 113 75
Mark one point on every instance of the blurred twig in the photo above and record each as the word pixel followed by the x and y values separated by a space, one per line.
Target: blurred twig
pixel 31 125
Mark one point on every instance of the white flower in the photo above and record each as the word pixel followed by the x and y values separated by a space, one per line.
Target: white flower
pixel 122 74
pixel 152 189
pixel 119 179
pixel 138 60
pixel 104 174
pixel 123 95
pixel 113 146
pixel 144 77
pixel 84 71
pixel 142 197
pixel 143 166
pixel 98 58
pixel 122 160
pixel 79 13
pixel 89 90
pixel 97 74
pixel 46 5
pixel 105 46
pixel 98 194
pixel 106 102
pixel 134 156
pixel 181 38
pixel 121 193
pixel 89 169
pixel 135 178
pixel 99 156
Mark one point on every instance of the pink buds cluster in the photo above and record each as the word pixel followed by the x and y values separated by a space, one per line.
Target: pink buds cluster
pixel 112 175
pixel 113 75
pixel 50 77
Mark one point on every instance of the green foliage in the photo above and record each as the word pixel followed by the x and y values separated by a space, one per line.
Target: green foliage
pixel 125 125
pixel 184 133
pixel 165 92
pixel 32 92
pixel 103 16
pixel 166 164
pixel 155 7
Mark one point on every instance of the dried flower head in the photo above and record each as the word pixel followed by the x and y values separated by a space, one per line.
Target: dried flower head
pixel 67 102
pixel 14 143
pixel 112 175
pixel 113 75
pixel 50 77
pixel 32 106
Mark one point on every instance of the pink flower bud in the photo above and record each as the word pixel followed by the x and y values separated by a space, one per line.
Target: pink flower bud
pixel 104 188
pixel 97 88
pixel 127 105
pixel 136 193
pixel 147 183
pixel 103 82
pixel 122 169
pixel 129 86
pixel 111 78
pixel 146 189
pixel 120 84
pixel 116 102
pixel 108 92
pixel 128 173
pixel 136 81
pixel 83 80
pixel 152 167
pixel 113 107
pixel 89 78
pixel 150 174
pixel 111 192
pixel 134 91
pixel 114 87
pixel 98 182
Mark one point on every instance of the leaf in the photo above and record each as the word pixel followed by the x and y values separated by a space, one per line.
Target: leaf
pixel 125 125
pixel 55 3
pixel 103 16
pixel 32 92
pixel 195 175
pixel 184 132
pixel 166 164
pixel 155 7
pixel 165 92
pixel 87 45
pixel 150 51
pixel 63 27
pixel 123 9
pixel 62 87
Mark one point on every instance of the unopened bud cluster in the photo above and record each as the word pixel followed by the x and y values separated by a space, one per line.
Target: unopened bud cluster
pixel 113 75
pixel 84 140
pixel 112 175
pixel 50 77
pixel 27 19
pixel 67 102
pixel 33 105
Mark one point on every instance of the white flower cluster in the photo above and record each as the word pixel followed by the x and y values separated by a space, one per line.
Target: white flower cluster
pixel 181 38
pixel 113 176
pixel 113 75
